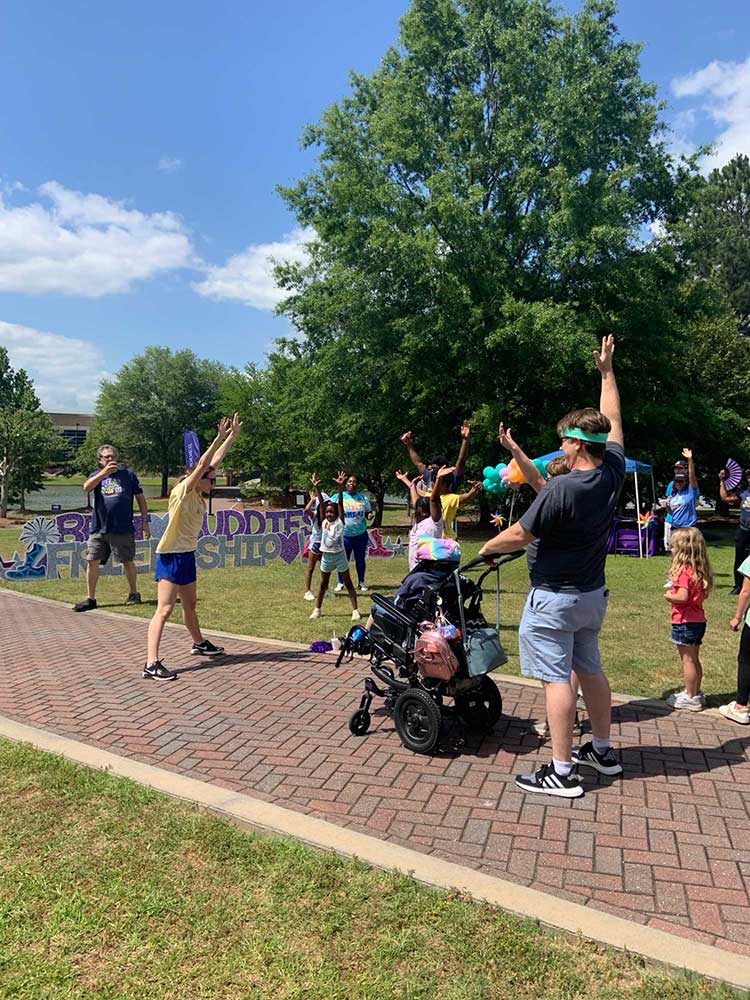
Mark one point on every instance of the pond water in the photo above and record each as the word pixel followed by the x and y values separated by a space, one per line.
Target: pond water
pixel 68 497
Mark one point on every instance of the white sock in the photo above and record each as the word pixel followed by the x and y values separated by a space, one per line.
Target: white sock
pixel 601 746
pixel 562 767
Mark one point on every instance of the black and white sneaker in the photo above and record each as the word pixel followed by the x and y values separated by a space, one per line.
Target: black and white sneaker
pixel 158 672
pixel 88 604
pixel 605 763
pixel 547 781
pixel 134 598
pixel 206 648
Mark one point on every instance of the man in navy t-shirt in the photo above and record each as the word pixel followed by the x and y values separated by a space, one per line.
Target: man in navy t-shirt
pixel 112 529
pixel 571 517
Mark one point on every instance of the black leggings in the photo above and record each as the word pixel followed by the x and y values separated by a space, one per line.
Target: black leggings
pixel 741 552
pixel 743 667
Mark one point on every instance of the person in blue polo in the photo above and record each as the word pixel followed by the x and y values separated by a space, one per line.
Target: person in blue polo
pixel 684 499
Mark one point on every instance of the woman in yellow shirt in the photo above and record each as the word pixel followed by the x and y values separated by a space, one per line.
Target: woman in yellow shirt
pixel 175 563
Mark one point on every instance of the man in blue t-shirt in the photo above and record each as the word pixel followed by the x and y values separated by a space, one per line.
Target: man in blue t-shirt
pixel 112 529
pixel 738 498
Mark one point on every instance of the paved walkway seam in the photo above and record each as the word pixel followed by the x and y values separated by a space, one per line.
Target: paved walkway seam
pixel 653 944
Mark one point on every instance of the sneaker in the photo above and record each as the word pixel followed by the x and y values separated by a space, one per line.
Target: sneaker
pixel 356 615
pixel 206 648
pixel 316 613
pixel 682 702
pixel 547 781
pixel 338 588
pixel 158 672
pixel 309 596
pixel 134 598
pixel 88 605
pixel 363 589
pixel 605 763
pixel 731 711
pixel 735 591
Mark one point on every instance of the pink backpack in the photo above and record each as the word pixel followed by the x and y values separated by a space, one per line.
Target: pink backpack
pixel 434 656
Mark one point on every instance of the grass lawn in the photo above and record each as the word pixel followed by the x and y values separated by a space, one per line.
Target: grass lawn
pixel 267 601
pixel 112 892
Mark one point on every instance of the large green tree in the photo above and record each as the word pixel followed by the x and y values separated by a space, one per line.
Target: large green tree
pixel 28 439
pixel 154 398
pixel 478 208
pixel 715 235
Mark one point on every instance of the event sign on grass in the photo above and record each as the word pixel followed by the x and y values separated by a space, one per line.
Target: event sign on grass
pixel 55 547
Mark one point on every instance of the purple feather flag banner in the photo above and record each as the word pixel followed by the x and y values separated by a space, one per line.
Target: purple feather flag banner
pixel 733 474
pixel 192 448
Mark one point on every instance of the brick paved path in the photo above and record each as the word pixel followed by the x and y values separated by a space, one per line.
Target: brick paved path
pixel 667 846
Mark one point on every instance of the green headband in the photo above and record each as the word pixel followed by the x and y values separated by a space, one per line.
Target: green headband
pixel 576 432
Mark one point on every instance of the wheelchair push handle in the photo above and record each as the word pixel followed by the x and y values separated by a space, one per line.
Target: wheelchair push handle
pixel 496 560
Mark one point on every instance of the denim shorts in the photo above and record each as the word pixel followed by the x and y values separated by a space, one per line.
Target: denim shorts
pixel 688 633
pixel 177 567
pixel 559 632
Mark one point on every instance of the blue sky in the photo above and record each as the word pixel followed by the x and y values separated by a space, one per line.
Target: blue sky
pixel 143 142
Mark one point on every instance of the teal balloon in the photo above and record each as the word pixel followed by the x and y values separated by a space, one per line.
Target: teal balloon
pixel 488 471
pixel 501 489
pixel 541 466
pixel 487 485
pixel 499 468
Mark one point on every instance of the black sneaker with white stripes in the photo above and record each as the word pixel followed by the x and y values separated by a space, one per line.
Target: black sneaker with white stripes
pixel 605 763
pixel 547 781
pixel 206 648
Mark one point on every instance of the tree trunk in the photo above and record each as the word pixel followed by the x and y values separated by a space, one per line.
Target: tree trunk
pixel 165 480
pixel 379 500
pixel 4 487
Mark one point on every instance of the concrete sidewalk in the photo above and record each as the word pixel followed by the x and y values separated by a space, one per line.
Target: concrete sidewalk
pixel 666 846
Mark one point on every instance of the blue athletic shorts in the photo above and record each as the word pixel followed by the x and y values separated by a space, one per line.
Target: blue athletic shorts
pixel 177 567
pixel 559 632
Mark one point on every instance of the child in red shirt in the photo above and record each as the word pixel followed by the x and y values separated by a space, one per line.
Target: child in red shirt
pixel 691 580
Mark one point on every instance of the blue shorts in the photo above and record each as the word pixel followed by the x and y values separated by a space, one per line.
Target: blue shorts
pixel 331 561
pixel 315 547
pixel 688 633
pixel 559 632
pixel 177 567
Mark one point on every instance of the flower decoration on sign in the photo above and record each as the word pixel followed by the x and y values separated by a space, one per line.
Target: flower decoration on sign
pixel 39 531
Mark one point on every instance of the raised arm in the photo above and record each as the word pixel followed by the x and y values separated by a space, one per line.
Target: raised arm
pixel 510 540
pixel 729 498
pixel 340 480
pixel 463 451
pixel 476 489
pixel 315 482
pixel 532 475
pixel 208 456
pixel 409 484
pixel 408 440
pixel 439 488
pixel 688 454
pixel 609 402
pixel 234 430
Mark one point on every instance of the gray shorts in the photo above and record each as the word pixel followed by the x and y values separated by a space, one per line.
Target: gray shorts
pixel 100 546
pixel 559 632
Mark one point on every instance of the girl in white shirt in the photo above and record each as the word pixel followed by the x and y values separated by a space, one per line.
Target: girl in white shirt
pixel 333 556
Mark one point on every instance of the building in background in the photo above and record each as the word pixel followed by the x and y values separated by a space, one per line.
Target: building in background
pixel 73 426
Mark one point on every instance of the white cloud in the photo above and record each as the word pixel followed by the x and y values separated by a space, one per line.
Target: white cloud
pixel 724 90
pixel 248 276
pixel 66 371
pixel 85 244
pixel 168 164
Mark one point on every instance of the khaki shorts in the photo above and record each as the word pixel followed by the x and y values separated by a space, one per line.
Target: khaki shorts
pixel 100 547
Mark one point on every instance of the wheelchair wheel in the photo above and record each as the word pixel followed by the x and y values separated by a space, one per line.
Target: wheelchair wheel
pixel 359 722
pixel 417 719
pixel 481 707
